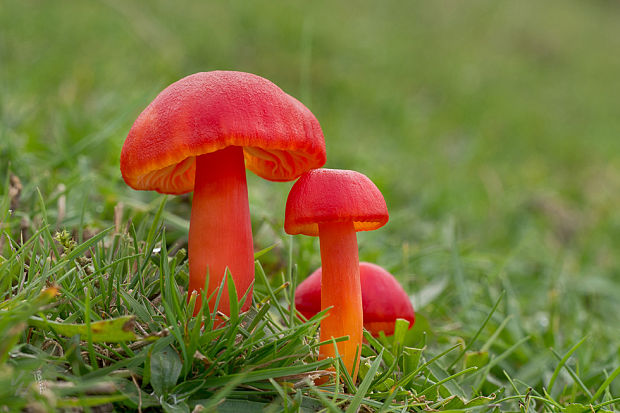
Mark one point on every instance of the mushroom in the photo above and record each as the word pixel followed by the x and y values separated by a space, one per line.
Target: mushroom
pixel 333 205
pixel 383 299
pixel 200 133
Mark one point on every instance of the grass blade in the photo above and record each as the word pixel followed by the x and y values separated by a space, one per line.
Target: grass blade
pixel 605 384
pixel 556 372
pixel 365 385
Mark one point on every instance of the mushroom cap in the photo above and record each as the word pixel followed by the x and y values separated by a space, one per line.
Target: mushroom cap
pixel 323 196
pixel 209 111
pixel 383 298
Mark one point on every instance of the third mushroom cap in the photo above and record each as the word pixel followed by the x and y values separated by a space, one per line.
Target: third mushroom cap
pixel 383 299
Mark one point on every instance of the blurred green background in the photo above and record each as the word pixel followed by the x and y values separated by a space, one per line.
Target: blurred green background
pixel 491 127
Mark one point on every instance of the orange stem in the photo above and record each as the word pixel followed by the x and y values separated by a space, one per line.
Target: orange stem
pixel 340 288
pixel 220 232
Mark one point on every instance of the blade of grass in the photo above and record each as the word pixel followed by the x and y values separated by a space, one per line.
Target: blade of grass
pixel 447 379
pixel 563 361
pixel 254 376
pixel 495 360
pixel 607 403
pixel 363 388
pixel 403 381
pixel 473 340
pixel 573 375
pixel 605 384
pixel 111 331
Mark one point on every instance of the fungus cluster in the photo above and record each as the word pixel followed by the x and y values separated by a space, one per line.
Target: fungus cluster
pixel 200 134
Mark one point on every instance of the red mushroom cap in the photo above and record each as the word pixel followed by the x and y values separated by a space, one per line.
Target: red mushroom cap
pixel 331 195
pixel 209 111
pixel 383 298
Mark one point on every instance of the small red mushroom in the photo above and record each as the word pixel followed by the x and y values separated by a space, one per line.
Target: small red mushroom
pixel 383 299
pixel 199 134
pixel 333 205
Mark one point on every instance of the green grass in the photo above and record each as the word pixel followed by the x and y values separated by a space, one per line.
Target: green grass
pixel 491 128
pixel 79 340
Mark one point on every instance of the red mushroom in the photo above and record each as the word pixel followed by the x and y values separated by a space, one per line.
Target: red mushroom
pixel 200 133
pixel 334 205
pixel 383 299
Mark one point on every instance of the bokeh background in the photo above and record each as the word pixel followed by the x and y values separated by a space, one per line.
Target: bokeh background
pixel 491 127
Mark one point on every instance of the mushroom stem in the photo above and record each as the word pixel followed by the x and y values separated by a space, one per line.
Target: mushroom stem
pixel 220 232
pixel 341 289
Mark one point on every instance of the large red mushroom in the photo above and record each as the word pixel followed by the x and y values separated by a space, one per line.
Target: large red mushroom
pixel 199 134
pixel 333 205
pixel 383 299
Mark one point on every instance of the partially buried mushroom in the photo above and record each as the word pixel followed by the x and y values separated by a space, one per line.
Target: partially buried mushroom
pixel 199 134
pixel 333 205
pixel 383 299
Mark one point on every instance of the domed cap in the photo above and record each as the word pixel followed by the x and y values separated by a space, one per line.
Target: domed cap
pixel 209 111
pixel 333 195
pixel 383 298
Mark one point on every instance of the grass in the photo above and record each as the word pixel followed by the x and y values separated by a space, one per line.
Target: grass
pixel 490 127
pixel 74 343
